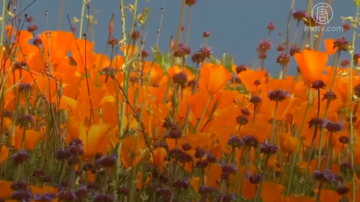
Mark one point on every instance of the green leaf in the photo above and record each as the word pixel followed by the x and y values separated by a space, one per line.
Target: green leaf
pixel 192 69
pixel 214 60
pixel 229 63
pixel 157 55
pixel 167 61
pixel 223 58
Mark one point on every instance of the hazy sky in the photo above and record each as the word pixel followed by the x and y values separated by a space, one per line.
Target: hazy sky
pixel 236 26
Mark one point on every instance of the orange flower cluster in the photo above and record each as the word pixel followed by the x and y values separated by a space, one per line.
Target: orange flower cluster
pixel 215 130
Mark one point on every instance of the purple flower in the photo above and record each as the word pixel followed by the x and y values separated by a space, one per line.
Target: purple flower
pixel 332 126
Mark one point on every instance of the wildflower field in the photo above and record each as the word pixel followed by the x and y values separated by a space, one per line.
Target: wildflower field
pixel 176 125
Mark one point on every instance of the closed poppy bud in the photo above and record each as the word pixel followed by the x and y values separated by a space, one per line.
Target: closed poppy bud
pixel 135 35
pixel 302 167
pixel 288 143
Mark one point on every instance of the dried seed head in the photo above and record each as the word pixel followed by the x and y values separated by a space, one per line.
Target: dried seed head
pixel 271 26
pixel 135 35
pixel 346 27
pixel 206 34
pixel 190 2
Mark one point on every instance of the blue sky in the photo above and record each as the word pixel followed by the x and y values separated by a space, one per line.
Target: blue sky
pixel 236 26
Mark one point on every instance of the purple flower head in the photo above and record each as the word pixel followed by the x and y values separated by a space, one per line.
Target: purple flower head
pixel 250 141
pixel 37 41
pixel 198 58
pixel 255 99
pixel 201 164
pixel 17 186
pixel 278 95
pixel 344 140
pixel 316 122
pixel 318 84
pixel 283 59
pixel 182 50
pixel 175 132
pixel 62 154
pixel 342 44
pixel 342 190
pixel 206 190
pixel 255 178
pixel 186 147
pixel 332 126
pixel 20 157
pixel 330 96
pixel 236 142
pixel 25 87
pixel 25 119
pixel 199 152
pixel 76 147
pixel 226 197
pixel 294 49
pixel 123 191
pixel 103 198
pixel 45 197
pixel 180 79
pixel 81 193
pixel 228 168
pixel 298 14
pixel 269 149
pixel 240 68
pixel 210 157
pixel 346 167
pixel 22 195
pixel 205 51
pixel 242 120
pixel 264 46
pixel 106 161
pixel 181 184
pixel 245 112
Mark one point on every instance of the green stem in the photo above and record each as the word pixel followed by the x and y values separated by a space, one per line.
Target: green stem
pixel 327 112
pixel 350 98
pixel 274 122
pixel 203 114
pixel 82 19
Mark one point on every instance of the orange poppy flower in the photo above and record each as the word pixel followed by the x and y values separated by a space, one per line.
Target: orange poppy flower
pixel 311 64
pixel 329 46
pixel 213 78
